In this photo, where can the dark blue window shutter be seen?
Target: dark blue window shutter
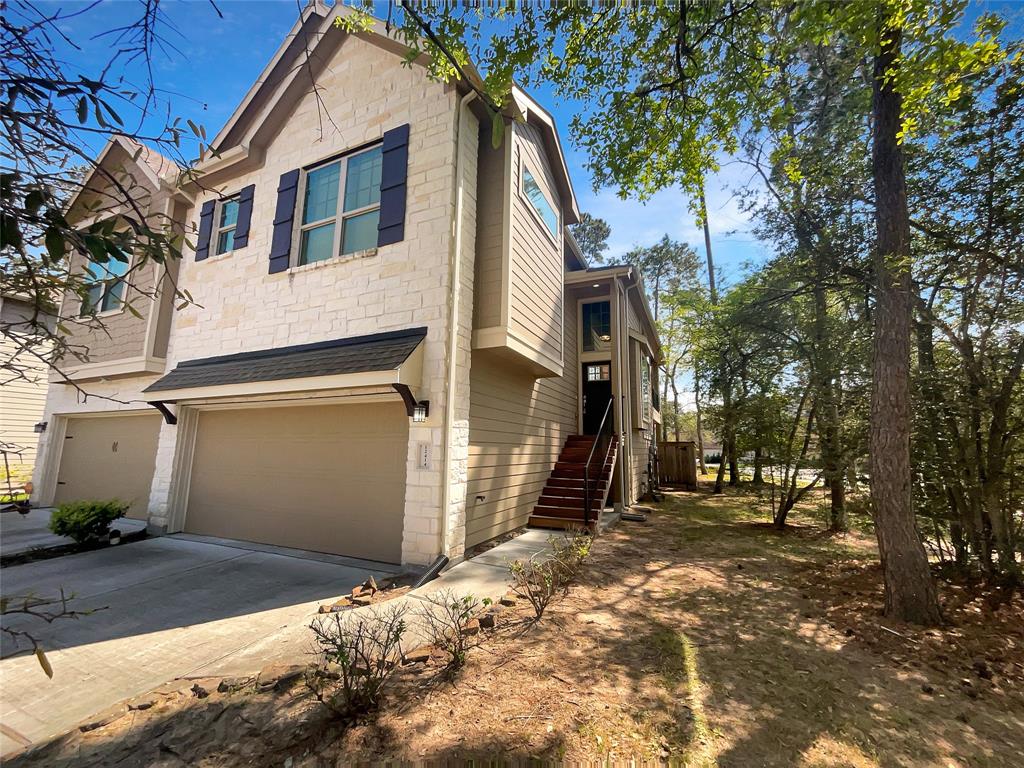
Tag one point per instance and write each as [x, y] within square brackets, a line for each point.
[205, 229]
[284, 216]
[244, 216]
[393, 173]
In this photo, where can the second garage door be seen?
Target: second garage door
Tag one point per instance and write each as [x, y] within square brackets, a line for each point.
[327, 478]
[109, 457]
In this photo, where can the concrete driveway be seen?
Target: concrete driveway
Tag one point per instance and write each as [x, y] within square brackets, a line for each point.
[170, 606]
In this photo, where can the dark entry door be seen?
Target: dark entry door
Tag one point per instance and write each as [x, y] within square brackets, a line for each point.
[597, 391]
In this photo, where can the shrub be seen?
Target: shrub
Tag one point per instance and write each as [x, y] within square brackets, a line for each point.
[86, 521]
[539, 580]
[446, 618]
[356, 657]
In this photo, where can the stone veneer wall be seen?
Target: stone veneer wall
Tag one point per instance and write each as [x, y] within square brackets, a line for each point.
[240, 307]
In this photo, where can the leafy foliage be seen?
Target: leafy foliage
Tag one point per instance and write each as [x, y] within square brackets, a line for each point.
[86, 521]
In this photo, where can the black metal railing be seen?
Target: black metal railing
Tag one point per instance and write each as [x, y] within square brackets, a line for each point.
[602, 443]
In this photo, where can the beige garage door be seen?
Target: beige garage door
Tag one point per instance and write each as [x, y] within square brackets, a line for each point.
[109, 457]
[327, 478]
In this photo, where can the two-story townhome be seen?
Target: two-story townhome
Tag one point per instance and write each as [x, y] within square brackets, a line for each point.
[394, 349]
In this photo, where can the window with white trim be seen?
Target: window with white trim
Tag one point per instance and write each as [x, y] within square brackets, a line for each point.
[645, 390]
[227, 220]
[341, 207]
[545, 210]
[104, 287]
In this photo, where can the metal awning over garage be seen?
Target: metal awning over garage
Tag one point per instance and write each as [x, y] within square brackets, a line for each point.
[393, 359]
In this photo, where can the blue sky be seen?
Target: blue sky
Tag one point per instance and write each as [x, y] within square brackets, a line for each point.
[218, 59]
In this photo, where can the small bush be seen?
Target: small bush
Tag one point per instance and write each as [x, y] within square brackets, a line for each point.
[356, 657]
[539, 580]
[86, 521]
[447, 618]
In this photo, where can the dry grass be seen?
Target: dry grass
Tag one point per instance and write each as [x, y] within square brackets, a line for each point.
[701, 637]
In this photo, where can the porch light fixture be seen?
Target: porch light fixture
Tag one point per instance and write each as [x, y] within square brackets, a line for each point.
[39, 427]
[417, 410]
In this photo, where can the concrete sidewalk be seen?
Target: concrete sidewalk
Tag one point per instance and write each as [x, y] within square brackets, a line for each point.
[485, 576]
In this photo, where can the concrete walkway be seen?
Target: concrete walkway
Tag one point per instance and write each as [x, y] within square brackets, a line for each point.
[177, 607]
[485, 576]
[22, 533]
[164, 608]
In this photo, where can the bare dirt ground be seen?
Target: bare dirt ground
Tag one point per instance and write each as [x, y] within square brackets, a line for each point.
[701, 637]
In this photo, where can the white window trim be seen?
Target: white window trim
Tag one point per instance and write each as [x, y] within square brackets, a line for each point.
[219, 230]
[340, 215]
[556, 207]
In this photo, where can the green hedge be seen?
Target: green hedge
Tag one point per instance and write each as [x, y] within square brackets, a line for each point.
[86, 521]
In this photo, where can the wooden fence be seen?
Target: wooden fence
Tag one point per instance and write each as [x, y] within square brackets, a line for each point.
[677, 463]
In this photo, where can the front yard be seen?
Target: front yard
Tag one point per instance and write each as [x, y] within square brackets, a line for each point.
[703, 636]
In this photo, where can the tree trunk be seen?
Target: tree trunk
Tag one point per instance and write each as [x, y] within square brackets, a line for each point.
[734, 463]
[720, 477]
[909, 590]
[700, 424]
[758, 466]
[675, 400]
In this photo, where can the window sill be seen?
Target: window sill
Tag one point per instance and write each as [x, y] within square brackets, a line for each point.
[101, 315]
[218, 256]
[364, 254]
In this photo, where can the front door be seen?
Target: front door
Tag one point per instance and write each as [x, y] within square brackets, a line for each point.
[597, 391]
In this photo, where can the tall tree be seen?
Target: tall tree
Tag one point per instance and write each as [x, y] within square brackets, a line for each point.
[591, 234]
[697, 73]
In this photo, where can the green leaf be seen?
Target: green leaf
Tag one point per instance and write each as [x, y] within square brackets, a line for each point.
[34, 201]
[55, 243]
[44, 662]
[497, 129]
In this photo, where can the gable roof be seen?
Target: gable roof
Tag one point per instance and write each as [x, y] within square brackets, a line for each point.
[155, 170]
[276, 88]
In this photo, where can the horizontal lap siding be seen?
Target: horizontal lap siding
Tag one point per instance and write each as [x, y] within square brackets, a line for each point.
[536, 261]
[491, 188]
[517, 427]
[21, 408]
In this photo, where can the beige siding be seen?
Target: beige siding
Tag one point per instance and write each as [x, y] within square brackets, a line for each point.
[109, 337]
[517, 427]
[535, 306]
[492, 188]
[22, 401]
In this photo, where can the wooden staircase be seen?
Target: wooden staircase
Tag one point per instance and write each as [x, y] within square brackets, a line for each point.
[562, 500]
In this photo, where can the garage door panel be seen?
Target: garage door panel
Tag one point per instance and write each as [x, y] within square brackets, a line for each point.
[109, 457]
[323, 478]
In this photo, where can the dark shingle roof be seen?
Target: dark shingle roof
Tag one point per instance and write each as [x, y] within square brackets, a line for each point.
[357, 354]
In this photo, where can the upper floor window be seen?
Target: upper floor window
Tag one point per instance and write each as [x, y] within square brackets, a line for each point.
[341, 207]
[597, 326]
[540, 203]
[645, 390]
[227, 220]
[104, 287]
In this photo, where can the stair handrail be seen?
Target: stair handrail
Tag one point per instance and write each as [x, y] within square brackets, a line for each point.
[602, 435]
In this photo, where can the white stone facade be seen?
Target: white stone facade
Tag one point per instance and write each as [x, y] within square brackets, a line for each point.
[238, 306]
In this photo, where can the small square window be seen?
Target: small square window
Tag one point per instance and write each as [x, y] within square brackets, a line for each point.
[599, 372]
[104, 286]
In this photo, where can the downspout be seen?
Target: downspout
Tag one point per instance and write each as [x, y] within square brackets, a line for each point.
[451, 354]
[622, 332]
